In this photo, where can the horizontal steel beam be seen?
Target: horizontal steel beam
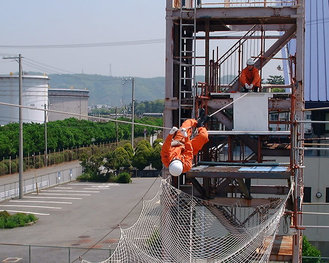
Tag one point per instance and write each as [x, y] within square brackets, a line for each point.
[242, 15]
[265, 189]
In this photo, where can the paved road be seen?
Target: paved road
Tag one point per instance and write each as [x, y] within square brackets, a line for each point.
[76, 215]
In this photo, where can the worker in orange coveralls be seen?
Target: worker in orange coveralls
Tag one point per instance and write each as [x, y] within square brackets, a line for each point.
[178, 150]
[249, 78]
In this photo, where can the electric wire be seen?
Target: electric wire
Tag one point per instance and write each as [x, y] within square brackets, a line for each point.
[90, 45]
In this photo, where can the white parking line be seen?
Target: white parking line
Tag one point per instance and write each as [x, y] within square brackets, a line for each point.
[25, 212]
[52, 197]
[99, 188]
[68, 191]
[32, 206]
[59, 187]
[39, 201]
[61, 194]
[95, 185]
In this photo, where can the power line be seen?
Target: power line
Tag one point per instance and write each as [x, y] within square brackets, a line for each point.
[47, 66]
[82, 115]
[89, 45]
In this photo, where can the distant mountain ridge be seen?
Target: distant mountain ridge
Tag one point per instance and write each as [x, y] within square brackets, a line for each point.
[111, 90]
[114, 91]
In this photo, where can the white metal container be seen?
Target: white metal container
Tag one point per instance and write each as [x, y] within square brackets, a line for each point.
[34, 94]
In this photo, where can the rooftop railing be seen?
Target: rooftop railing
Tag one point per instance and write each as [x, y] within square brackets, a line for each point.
[232, 3]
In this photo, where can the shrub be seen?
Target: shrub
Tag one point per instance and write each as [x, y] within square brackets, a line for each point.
[85, 177]
[14, 166]
[310, 251]
[16, 220]
[4, 214]
[123, 178]
[3, 168]
[39, 163]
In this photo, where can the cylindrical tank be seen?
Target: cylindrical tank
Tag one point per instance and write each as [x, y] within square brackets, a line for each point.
[34, 94]
[68, 100]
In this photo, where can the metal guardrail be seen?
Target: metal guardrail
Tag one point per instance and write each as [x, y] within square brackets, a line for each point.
[37, 253]
[10, 190]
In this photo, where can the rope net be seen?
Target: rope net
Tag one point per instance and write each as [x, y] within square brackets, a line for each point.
[177, 227]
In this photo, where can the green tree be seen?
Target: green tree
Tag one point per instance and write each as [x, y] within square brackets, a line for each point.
[310, 251]
[118, 159]
[143, 153]
[156, 157]
[129, 149]
[275, 79]
[91, 168]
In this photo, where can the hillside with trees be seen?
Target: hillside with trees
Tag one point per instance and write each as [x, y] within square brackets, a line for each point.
[111, 90]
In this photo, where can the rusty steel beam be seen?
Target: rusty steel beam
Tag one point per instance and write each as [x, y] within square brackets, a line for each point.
[243, 15]
[264, 189]
[229, 201]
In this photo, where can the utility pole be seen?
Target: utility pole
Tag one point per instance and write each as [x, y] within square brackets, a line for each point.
[20, 179]
[132, 107]
[46, 138]
[132, 111]
[20, 118]
[116, 126]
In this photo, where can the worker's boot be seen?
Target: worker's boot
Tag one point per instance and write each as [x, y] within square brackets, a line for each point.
[203, 118]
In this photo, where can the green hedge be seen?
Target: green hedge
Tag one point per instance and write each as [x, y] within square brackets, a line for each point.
[68, 133]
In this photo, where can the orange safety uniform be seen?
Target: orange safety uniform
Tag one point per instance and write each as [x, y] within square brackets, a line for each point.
[188, 149]
[250, 77]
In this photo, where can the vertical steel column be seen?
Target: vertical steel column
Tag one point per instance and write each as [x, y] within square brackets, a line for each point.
[169, 80]
[299, 115]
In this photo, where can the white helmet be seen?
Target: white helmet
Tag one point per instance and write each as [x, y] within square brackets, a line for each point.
[250, 62]
[176, 167]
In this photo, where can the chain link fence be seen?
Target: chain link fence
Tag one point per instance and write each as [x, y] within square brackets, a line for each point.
[35, 184]
[51, 254]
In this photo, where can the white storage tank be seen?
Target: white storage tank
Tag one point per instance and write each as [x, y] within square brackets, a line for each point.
[34, 94]
[68, 100]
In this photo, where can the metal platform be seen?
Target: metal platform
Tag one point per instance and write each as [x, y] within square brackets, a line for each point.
[274, 133]
[257, 172]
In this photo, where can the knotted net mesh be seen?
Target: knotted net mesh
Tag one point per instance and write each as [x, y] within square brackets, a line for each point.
[177, 227]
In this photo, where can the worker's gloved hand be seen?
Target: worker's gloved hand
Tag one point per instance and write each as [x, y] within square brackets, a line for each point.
[184, 132]
[173, 130]
[250, 86]
[246, 86]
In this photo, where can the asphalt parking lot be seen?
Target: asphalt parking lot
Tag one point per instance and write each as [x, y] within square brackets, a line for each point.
[73, 217]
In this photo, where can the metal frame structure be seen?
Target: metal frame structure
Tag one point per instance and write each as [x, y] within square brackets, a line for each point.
[222, 169]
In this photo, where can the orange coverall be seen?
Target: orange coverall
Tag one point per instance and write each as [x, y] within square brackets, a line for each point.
[184, 152]
[250, 77]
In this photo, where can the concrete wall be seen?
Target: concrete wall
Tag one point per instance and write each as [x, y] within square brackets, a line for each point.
[317, 177]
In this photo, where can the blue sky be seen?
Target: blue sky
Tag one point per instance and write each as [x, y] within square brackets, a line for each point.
[59, 22]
